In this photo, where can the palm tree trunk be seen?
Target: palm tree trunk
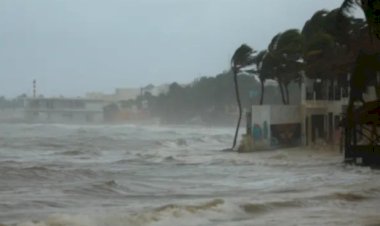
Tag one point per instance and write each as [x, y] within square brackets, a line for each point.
[239, 105]
[286, 86]
[282, 92]
[262, 92]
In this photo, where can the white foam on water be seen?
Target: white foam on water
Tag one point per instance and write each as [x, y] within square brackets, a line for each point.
[172, 214]
[152, 175]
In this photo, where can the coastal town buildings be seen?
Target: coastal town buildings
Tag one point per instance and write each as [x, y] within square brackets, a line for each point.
[64, 110]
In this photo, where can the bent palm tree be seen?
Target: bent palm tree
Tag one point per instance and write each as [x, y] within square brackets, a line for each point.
[286, 50]
[240, 59]
[258, 60]
[365, 69]
[371, 9]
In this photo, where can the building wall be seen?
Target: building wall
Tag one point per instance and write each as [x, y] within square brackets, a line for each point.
[260, 126]
[284, 114]
[276, 126]
[64, 117]
[316, 118]
[64, 110]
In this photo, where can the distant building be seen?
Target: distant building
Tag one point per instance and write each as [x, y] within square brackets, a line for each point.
[122, 94]
[118, 95]
[64, 110]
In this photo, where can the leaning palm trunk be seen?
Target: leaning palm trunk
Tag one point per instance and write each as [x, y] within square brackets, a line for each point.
[239, 106]
[282, 93]
[262, 93]
[239, 60]
[286, 87]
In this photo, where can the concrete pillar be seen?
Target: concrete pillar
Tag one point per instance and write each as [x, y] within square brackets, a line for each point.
[303, 126]
[303, 92]
[325, 127]
[309, 129]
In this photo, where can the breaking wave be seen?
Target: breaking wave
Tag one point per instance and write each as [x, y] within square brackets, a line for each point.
[141, 175]
[166, 213]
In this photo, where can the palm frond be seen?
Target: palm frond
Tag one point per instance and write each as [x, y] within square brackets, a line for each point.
[370, 9]
[241, 56]
[348, 5]
[273, 44]
[314, 24]
[259, 57]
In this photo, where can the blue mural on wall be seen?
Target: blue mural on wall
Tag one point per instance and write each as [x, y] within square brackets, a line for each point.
[260, 132]
[257, 132]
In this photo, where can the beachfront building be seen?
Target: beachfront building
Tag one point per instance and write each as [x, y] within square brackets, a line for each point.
[316, 118]
[323, 104]
[64, 110]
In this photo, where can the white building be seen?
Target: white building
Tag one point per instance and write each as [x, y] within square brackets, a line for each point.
[64, 110]
[316, 118]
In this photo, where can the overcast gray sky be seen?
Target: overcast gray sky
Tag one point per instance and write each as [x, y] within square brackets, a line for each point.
[75, 46]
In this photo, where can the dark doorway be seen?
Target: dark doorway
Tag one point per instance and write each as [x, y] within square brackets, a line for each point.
[337, 119]
[317, 127]
[318, 90]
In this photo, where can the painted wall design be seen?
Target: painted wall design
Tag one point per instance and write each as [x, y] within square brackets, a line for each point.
[260, 132]
[257, 132]
[286, 135]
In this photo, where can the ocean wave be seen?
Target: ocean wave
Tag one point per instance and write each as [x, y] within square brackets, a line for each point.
[109, 188]
[269, 206]
[343, 196]
[257, 208]
[43, 172]
[81, 151]
[159, 215]
[35, 143]
[190, 208]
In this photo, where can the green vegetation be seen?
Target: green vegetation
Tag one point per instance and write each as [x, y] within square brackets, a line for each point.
[329, 47]
[207, 99]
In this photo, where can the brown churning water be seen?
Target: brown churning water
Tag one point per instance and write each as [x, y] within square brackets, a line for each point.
[145, 175]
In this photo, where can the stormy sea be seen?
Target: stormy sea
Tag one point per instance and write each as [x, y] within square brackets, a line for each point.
[128, 175]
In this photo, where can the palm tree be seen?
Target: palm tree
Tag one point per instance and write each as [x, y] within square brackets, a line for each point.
[371, 9]
[286, 50]
[328, 48]
[365, 68]
[240, 59]
[367, 60]
[258, 60]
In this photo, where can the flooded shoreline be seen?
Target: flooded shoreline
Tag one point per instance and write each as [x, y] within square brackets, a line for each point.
[141, 175]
